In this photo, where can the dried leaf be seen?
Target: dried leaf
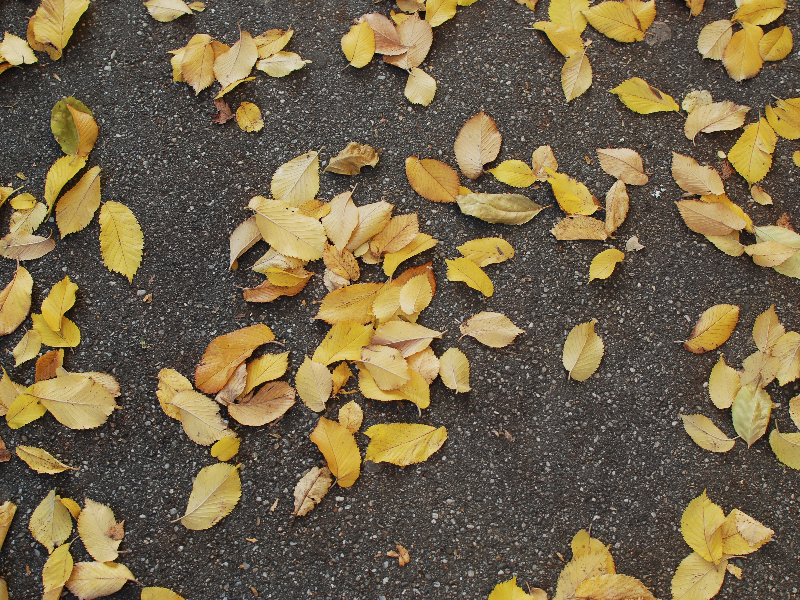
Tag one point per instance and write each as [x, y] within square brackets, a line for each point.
[121, 239]
[74, 400]
[491, 329]
[741, 57]
[478, 142]
[698, 578]
[713, 39]
[54, 22]
[76, 208]
[68, 335]
[487, 251]
[387, 40]
[341, 375]
[352, 303]
[281, 64]
[200, 417]
[248, 117]
[751, 155]
[580, 227]
[418, 245]
[167, 10]
[311, 489]
[87, 130]
[573, 197]
[616, 21]
[268, 404]
[718, 116]
[425, 364]
[617, 204]
[50, 523]
[420, 87]
[215, 493]
[60, 299]
[358, 45]
[786, 447]
[225, 353]
[565, 39]
[633, 244]
[342, 220]
[7, 511]
[372, 218]
[509, 209]
[386, 365]
[641, 97]
[339, 448]
[98, 530]
[224, 113]
[710, 219]
[576, 75]
[693, 178]
[463, 269]
[27, 348]
[237, 62]
[624, 164]
[713, 328]
[286, 229]
[352, 159]
[696, 98]
[416, 35]
[644, 11]
[297, 181]
[705, 434]
[351, 416]
[314, 384]
[454, 370]
[407, 338]
[15, 301]
[56, 571]
[403, 444]
[509, 590]
[759, 12]
[590, 559]
[273, 41]
[583, 351]
[568, 13]
[723, 384]
[750, 412]
[160, 593]
[90, 580]
[613, 587]
[603, 264]
[41, 460]
[776, 44]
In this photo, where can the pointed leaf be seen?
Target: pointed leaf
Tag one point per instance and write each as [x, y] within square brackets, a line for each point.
[215, 493]
[339, 448]
[583, 351]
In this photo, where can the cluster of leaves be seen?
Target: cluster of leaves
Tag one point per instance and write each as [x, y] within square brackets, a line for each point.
[625, 22]
[777, 358]
[49, 30]
[404, 41]
[205, 60]
[743, 53]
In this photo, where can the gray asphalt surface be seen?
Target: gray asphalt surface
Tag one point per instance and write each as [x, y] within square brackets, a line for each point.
[610, 452]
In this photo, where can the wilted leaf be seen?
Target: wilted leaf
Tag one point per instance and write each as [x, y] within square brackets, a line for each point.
[234, 387]
[478, 142]
[616, 21]
[403, 444]
[776, 44]
[15, 301]
[713, 328]
[425, 364]
[759, 12]
[41, 460]
[341, 375]
[54, 22]
[633, 244]
[64, 169]
[641, 97]
[339, 448]
[751, 155]
[542, 159]
[624, 164]
[705, 434]
[121, 239]
[697, 578]
[244, 237]
[568, 13]
[215, 493]
[358, 45]
[583, 351]
[415, 34]
[786, 447]
[50, 523]
[311, 489]
[281, 64]
[509, 209]
[565, 39]
[603, 264]
[237, 62]
[454, 370]
[56, 570]
[580, 227]
[87, 130]
[99, 531]
[352, 159]
[750, 412]
[420, 87]
[266, 405]
[741, 57]
[491, 329]
[463, 269]
[352, 303]
[90, 580]
[713, 39]
[225, 449]
[27, 348]
[576, 75]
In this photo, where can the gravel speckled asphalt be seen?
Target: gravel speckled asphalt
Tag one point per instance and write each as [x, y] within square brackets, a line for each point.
[610, 452]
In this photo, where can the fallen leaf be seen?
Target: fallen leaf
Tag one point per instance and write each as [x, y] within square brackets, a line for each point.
[776, 44]
[603, 264]
[645, 12]
[372, 218]
[713, 328]
[311, 489]
[272, 41]
[98, 530]
[160, 593]
[617, 204]
[487, 251]
[54, 22]
[583, 351]
[27, 348]
[50, 524]
[576, 75]
[76, 208]
[514, 173]
[592, 560]
[231, 86]
[478, 142]
[418, 245]
[615, 20]
[200, 417]
[454, 370]
[60, 299]
[565, 39]
[613, 587]
[760, 196]
[759, 12]
[225, 353]
[786, 447]
[509, 209]
[226, 448]
[407, 338]
[90, 580]
[641, 97]
[633, 244]
[7, 511]
[167, 10]
[718, 116]
[358, 45]
[339, 448]
[121, 239]
[705, 434]
[287, 230]
[463, 269]
[491, 329]
[579, 227]
[387, 40]
[266, 405]
[342, 220]
[352, 303]
[698, 578]
[248, 117]
[509, 590]
[624, 164]
[296, 181]
[16, 51]
[701, 528]
[741, 57]
[696, 98]
[68, 335]
[41, 460]
[573, 197]
[742, 534]
[416, 35]
[352, 159]
[440, 11]
[750, 412]
[64, 169]
[723, 384]
[568, 13]
[234, 387]
[710, 219]
[215, 493]
[87, 130]
[695, 179]
[224, 112]
[56, 571]
[403, 444]
[5, 455]
[74, 400]
[714, 38]
[281, 64]
[341, 375]
[24, 409]
[265, 368]
[425, 364]
[237, 62]
[197, 64]
[420, 87]
[314, 384]
[28, 220]
[387, 366]
[351, 416]
[416, 295]
[15, 301]
[751, 155]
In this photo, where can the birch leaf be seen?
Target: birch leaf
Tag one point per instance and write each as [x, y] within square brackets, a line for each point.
[167, 10]
[723, 384]
[573, 197]
[281, 64]
[41, 460]
[416, 295]
[642, 98]
[99, 531]
[613, 587]
[353, 158]
[215, 493]
[27, 220]
[418, 245]
[342, 221]
[60, 299]
[54, 23]
[372, 218]
[478, 142]
[565, 39]
[407, 338]
[311, 489]
[341, 375]
[237, 62]
[287, 230]
[121, 239]
[713, 39]
[76, 208]
[615, 20]
[705, 434]
[697, 578]
[351, 416]
[713, 328]
[416, 35]
[314, 384]
[64, 169]
[580, 227]
[583, 351]
[50, 523]
[266, 405]
[741, 57]
[15, 301]
[272, 41]
[576, 75]
[786, 447]
[693, 178]
[776, 44]
[265, 368]
[491, 329]
[440, 11]
[700, 526]
[358, 45]
[403, 444]
[644, 11]
[568, 13]
[225, 353]
[794, 410]
[27, 348]
[509, 209]
[342, 263]
[751, 155]
[397, 234]
[603, 264]
[197, 65]
[593, 560]
[710, 219]
[750, 412]
[432, 179]
[297, 181]
[463, 269]
[386, 365]
[624, 164]
[454, 370]
[90, 580]
[343, 342]
[339, 448]
[617, 204]
[57, 569]
[420, 87]
[718, 116]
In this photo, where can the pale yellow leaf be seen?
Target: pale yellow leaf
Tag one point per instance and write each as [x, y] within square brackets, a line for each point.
[351, 416]
[576, 75]
[624, 164]
[341, 375]
[57, 569]
[603, 264]
[440, 11]
[90, 580]
[215, 493]
[99, 531]
[121, 239]
[351, 160]
[491, 329]
[398, 233]
[16, 51]
[358, 45]
[617, 204]
[200, 417]
[712, 219]
[696, 98]
[794, 410]
[723, 384]
[160, 593]
[386, 365]
[7, 511]
[24, 409]
[420, 87]
[41, 460]
[64, 169]
[695, 179]
[197, 64]
[416, 35]
[641, 97]
[372, 218]
[343, 342]
[593, 562]
[616, 21]
[478, 142]
[760, 196]
[759, 12]
[454, 370]
[713, 328]
[297, 181]
[613, 586]
[750, 412]
[387, 40]
[741, 57]
[74, 400]
[583, 351]
[248, 117]
[288, 230]
[28, 220]
[339, 448]
[314, 384]
[76, 208]
[416, 295]
[705, 434]
[729, 244]
[644, 11]
[50, 524]
[27, 348]
[514, 173]
[510, 209]
[751, 155]
[580, 227]
[237, 62]
[281, 64]
[352, 303]
[463, 269]
[403, 444]
[272, 41]
[698, 579]
[311, 489]
[425, 364]
[407, 338]
[713, 39]
[170, 382]
[54, 23]
[266, 405]
[565, 39]
[342, 220]
[167, 10]
[25, 246]
[786, 447]
[15, 301]
[487, 251]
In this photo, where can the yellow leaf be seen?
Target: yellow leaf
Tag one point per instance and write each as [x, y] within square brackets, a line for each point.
[700, 526]
[358, 45]
[311, 489]
[372, 218]
[248, 117]
[341, 375]
[215, 493]
[28, 347]
[50, 523]
[425, 364]
[264, 406]
[352, 303]
[273, 41]
[288, 230]
[87, 130]
[565, 39]
[616, 21]
[403, 444]
[420, 87]
[314, 384]
[760, 196]
[440, 11]
[718, 116]
[339, 448]
[573, 197]
[197, 64]
[397, 234]
[54, 23]
[510, 209]
[713, 328]
[74, 400]
[644, 11]
[237, 62]
[741, 57]
[759, 12]
[769, 254]
[693, 178]
[583, 351]
[729, 244]
[593, 561]
[351, 416]
[60, 299]
[698, 579]
[432, 179]
[527, 3]
[509, 590]
[418, 245]
[579, 227]
[57, 569]
[281, 64]
[713, 39]
[776, 44]
[416, 35]
[750, 412]
[23, 202]
[41, 460]
[342, 220]
[28, 220]
[59, 174]
[786, 447]
[705, 434]
[16, 51]
[170, 382]
[641, 97]
[76, 208]
[576, 76]
[416, 295]
[160, 593]
[121, 239]
[343, 263]
[568, 13]
[350, 160]
[90, 580]
[175, 63]
[696, 98]
[742, 534]
[624, 164]
[24, 409]
[487, 251]
[15, 301]
[463, 269]
[200, 417]
[265, 368]
[617, 204]
[454, 370]
[297, 181]
[723, 384]
[226, 448]
[613, 586]
[167, 10]
[491, 329]
[794, 410]
[407, 338]
[386, 365]
[7, 511]
[514, 173]
[99, 531]
[21, 245]
[232, 85]
[603, 264]
[478, 142]
[796, 157]
[343, 342]
[751, 155]
[712, 219]
[225, 353]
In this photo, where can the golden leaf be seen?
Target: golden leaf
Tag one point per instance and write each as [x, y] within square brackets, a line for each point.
[7, 511]
[197, 64]
[565, 39]
[760, 196]
[273, 41]
[509, 209]
[387, 40]
[420, 87]
[717, 116]
[358, 45]
[281, 64]
[580, 227]
[341, 375]
[226, 448]
[794, 410]
[41, 460]
[372, 218]
[50, 523]
[713, 39]
[463, 269]
[248, 117]
[786, 353]
[750, 412]
[215, 493]
[339, 448]
[487, 251]
[28, 220]
[343, 263]
[576, 75]
[416, 295]
[641, 97]
[407, 338]
[225, 353]
[28, 347]
[16, 51]
[742, 534]
[723, 384]
[440, 11]
[170, 382]
[353, 302]
[617, 204]
[573, 197]
[24, 409]
[60, 299]
[265, 368]
[15, 301]
[418, 245]
[568, 13]
[160, 593]
[68, 335]
[59, 174]
[311, 489]
[99, 531]
[237, 62]
[729, 244]
[613, 586]
[351, 160]
[603, 264]
[786, 447]
[713, 328]
[74, 400]
[343, 342]
[403, 444]
[478, 142]
[751, 155]
[454, 370]
[121, 239]
[342, 220]
[741, 57]
[167, 10]
[593, 560]
[268, 404]
[200, 417]
[351, 416]
[24, 246]
[776, 44]
[76, 208]
[644, 11]
[693, 178]
[416, 35]
[514, 173]
[583, 351]
[386, 365]
[228, 88]
[87, 130]
[759, 12]
[710, 219]
[616, 21]
[314, 384]
[698, 579]
[701, 528]
[398, 233]
[509, 590]
[491, 329]
[624, 164]
[425, 364]
[54, 23]
[57, 569]
[296, 181]
[769, 254]
[286, 229]
[705, 434]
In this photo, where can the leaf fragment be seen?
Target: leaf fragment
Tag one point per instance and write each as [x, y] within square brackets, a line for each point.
[21, 245]
[786, 447]
[580, 227]
[583, 351]
[167, 10]
[226, 448]
[27, 348]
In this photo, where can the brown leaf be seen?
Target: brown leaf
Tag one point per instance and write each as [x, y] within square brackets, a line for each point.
[785, 222]
[47, 365]
[267, 292]
[387, 40]
[268, 404]
[5, 455]
[224, 112]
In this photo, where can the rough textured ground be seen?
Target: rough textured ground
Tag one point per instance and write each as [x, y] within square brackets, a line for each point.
[610, 452]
